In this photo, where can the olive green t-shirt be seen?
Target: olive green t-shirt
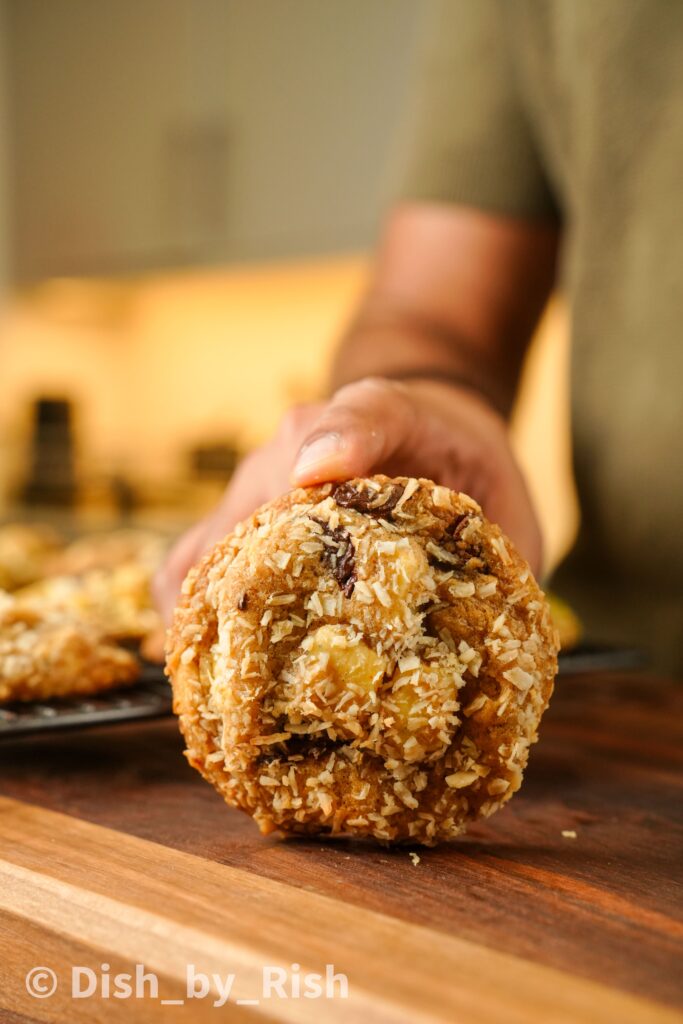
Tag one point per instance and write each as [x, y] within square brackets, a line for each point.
[573, 109]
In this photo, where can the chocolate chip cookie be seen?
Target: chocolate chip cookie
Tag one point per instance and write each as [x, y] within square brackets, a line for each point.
[369, 658]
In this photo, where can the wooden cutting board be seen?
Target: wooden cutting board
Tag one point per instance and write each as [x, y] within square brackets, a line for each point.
[113, 852]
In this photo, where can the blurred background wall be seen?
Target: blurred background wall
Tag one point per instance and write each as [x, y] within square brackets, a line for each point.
[162, 132]
[4, 135]
[193, 190]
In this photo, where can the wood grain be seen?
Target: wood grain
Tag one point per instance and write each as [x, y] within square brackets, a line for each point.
[136, 901]
[604, 907]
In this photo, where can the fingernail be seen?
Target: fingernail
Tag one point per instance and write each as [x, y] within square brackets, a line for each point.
[317, 453]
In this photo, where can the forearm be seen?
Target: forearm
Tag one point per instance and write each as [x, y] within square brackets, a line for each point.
[402, 346]
[455, 295]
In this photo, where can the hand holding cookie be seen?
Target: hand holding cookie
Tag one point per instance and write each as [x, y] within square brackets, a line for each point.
[422, 428]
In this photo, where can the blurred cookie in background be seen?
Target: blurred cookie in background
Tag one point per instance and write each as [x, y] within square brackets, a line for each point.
[52, 653]
[110, 550]
[117, 601]
[26, 550]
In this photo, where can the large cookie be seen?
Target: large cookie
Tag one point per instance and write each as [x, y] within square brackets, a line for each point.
[370, 658]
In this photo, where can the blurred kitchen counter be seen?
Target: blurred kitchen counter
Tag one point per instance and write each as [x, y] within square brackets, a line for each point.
[158, 365]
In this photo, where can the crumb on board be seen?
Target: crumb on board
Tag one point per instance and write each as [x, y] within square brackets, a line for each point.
[415, 857]
[568, 833]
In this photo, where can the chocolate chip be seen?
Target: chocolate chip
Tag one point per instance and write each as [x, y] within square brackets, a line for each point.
[339, 556]
[366, 501]
[243, 602]
[322, 745]
[458, 525]
[470, 555]
[440, 563]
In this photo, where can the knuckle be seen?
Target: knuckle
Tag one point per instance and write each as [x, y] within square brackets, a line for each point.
[346, 419]
[381, 384]
[374, 390]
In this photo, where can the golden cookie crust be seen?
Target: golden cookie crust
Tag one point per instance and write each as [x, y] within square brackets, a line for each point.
[109, 550]
[55, 655]
[26, 550]
[117, 601]
[370, 658]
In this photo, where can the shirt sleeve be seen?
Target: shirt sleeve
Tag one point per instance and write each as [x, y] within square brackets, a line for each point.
[468, 136]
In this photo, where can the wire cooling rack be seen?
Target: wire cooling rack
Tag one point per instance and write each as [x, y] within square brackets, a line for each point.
[149, 698]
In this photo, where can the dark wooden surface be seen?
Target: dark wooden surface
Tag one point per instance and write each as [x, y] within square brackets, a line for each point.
[607, 905]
